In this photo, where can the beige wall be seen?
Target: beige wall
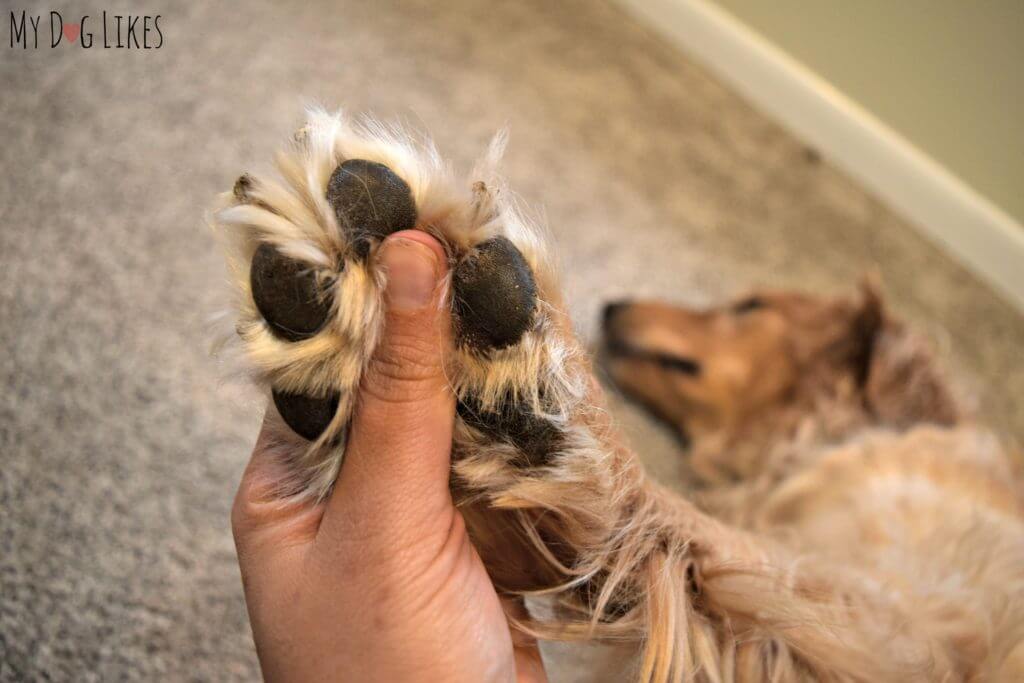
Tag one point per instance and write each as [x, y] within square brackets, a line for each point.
[946, 74]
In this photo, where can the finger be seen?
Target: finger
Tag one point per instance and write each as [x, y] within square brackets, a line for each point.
[266, 524]
[395, 473]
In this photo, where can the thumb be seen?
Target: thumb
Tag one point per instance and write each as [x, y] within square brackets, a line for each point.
[395, 474]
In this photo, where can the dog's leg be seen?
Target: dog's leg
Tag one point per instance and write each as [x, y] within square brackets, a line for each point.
[556, 505]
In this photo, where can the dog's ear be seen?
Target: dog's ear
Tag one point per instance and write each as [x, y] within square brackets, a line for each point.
[867, 324]
[896, 370]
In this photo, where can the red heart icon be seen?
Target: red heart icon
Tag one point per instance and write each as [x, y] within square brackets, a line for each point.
[71, 31]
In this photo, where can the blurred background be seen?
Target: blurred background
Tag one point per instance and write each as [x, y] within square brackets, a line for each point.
[121, 442]
[941, 73]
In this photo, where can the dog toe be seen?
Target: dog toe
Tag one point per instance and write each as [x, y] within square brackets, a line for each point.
[287, 294]
[514, 423]
[370, 201]
[495, 296]
[308, 416]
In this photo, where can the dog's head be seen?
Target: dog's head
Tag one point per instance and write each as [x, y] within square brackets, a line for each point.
[715, 369]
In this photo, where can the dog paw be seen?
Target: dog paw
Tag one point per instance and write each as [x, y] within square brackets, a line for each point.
[302, 246]
[537, 470]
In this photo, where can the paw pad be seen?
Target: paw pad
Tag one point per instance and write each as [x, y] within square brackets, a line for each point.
[370, 202]
[287, 294]
[514, 423]
[308, 416]
[495, 296]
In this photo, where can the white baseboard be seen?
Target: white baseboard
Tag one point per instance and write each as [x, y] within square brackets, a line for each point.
[966, 224]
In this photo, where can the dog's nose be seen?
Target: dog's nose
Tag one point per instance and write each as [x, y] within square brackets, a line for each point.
[611, 310]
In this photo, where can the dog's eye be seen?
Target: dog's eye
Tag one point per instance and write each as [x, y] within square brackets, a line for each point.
[687, 366]
[748, 305]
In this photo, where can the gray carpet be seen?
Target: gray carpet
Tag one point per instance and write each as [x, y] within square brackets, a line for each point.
[120, 445]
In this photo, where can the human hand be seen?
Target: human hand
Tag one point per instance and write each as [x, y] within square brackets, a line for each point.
[380, 582]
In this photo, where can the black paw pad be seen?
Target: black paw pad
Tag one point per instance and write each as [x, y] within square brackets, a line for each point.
[370, 201]
[514, 423]
[307, 416]
[287, 294]
[495, 296]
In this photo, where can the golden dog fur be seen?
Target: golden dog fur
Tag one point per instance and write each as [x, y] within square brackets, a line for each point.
[824, 426]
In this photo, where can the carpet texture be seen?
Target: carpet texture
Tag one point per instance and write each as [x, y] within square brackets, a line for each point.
[120, 445]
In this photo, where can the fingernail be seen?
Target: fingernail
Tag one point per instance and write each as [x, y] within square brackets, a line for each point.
[412, 273]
